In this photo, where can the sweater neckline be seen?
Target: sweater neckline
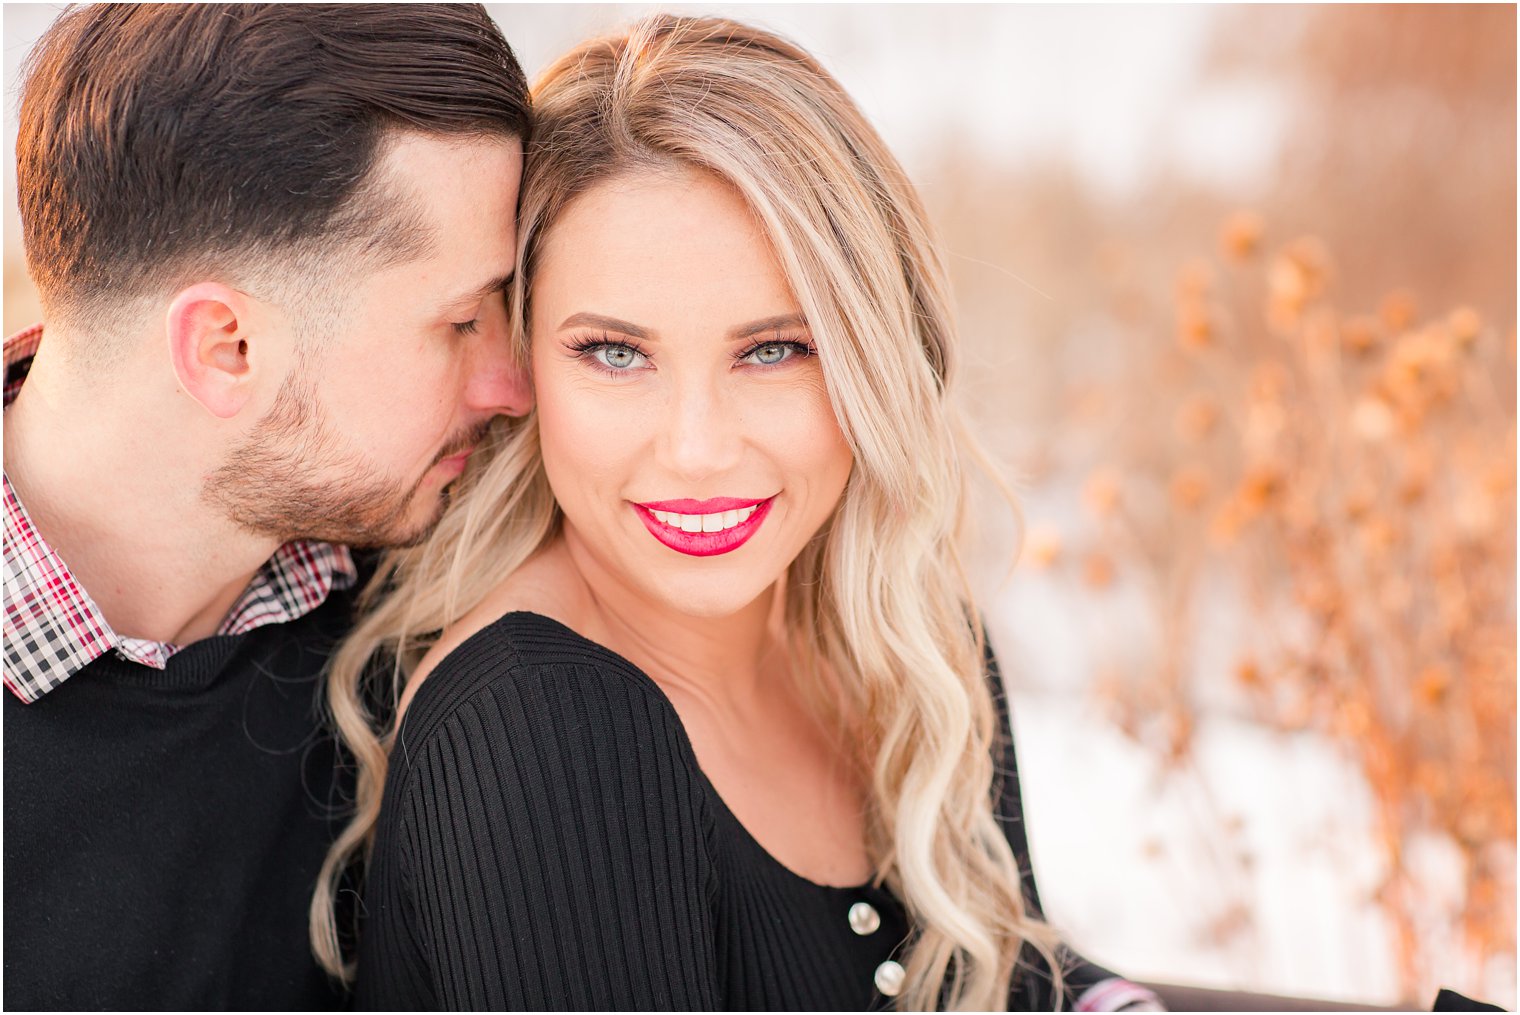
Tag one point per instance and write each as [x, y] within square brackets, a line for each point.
[870, 886]
[194, 667]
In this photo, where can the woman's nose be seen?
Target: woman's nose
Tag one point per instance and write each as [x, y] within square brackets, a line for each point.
[702, 431]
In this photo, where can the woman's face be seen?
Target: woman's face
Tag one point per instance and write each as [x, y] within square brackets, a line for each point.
[685, 427]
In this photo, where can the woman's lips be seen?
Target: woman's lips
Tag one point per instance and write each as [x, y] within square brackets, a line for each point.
[702, 507]
[722, 524]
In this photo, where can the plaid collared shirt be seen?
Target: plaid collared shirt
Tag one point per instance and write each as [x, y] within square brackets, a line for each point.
[53, 629]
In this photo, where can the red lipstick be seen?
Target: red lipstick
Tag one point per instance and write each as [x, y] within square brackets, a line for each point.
[702, 507]
[704, 544]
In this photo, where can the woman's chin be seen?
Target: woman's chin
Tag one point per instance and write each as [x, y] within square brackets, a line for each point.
[707, 600]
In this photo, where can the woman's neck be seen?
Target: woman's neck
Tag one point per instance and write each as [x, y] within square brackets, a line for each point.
[724, 662]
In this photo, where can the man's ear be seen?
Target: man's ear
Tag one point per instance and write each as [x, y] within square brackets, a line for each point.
[208, 326]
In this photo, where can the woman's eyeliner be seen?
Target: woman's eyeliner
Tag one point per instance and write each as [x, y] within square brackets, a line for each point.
[598, 349]
[796, 348]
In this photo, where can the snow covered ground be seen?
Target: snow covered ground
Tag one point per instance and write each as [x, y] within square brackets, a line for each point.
[1252, 871]
[1141, 881]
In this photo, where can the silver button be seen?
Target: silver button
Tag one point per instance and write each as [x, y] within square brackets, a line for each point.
[864, 919]
[889, 978]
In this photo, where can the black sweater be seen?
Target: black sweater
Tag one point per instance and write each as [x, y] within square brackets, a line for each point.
[548, 841]
[163, 829]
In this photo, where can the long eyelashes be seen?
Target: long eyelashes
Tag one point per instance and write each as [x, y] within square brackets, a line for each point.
[581, 346]
[796, 346]
[598, 351]
[619, 356]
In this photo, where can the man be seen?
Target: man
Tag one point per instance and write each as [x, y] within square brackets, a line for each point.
[270, 243]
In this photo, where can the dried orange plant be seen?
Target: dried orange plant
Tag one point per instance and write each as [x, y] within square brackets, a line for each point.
[1351, 475]
[1303, 482]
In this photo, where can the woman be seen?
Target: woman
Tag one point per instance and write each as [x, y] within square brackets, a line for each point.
[708, 724]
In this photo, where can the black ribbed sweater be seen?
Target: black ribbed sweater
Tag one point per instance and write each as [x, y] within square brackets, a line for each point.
[163, 828]
[548, 841]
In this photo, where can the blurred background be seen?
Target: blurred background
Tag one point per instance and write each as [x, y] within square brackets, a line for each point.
[1237, 286]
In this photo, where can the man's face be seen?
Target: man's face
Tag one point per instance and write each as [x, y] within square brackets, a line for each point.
[381, 413]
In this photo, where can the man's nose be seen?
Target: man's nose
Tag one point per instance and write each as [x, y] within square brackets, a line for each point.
[497, 385]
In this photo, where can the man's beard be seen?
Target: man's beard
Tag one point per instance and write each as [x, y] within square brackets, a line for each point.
[290, 479]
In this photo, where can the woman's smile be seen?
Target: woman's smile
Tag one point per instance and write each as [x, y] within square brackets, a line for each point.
[704, 528]
[672, 361]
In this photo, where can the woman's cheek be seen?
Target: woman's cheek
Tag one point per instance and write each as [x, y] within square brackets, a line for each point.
[800, 422]
[591, 437]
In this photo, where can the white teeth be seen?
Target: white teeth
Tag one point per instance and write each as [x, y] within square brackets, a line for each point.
[715, 522]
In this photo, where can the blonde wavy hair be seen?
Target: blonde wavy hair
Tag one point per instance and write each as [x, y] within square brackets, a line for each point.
[882, 625]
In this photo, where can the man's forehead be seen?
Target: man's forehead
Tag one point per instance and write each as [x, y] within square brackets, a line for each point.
[451, 204]
[449, 182]
[428, 162]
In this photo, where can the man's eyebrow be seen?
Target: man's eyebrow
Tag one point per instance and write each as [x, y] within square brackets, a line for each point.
[481, 292]
[780, 322]
[588, 320]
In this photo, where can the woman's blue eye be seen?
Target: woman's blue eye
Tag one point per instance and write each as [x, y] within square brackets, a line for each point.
[617, 357]
[769, 354]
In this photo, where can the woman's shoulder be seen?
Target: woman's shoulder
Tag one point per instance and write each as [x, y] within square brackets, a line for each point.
[526, 705]
[537, 784]
[536, 586]
[527, 660]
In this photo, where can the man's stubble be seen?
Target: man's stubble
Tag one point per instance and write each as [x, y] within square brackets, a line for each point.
[293, 477]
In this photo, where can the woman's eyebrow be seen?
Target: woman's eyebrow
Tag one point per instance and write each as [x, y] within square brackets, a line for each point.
[588, 320]
[780, 322]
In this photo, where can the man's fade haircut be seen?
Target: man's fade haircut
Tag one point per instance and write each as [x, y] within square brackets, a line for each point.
[158, 142]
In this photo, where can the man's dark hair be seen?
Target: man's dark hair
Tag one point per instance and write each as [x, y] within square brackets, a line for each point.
[160, 140]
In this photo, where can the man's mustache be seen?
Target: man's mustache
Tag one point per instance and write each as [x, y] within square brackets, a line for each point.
[471, 438]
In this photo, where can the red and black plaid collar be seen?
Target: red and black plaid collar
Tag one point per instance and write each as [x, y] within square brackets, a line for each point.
[53, 629]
